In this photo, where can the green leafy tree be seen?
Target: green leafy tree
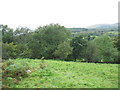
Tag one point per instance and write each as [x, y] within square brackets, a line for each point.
[7, 34]
[21, 38]
[92, 52]
[37, 46]
[116, 42]
[63, 50]
[106, 48]
[79, 45]
[23, 51]
[9, 50]
[22, 35]
[46, 40]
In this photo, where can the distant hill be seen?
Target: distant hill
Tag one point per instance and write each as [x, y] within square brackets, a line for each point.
[104, 26]
[77, 29]
[97, 27]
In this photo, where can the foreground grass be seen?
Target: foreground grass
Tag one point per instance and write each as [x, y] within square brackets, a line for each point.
[61, 74]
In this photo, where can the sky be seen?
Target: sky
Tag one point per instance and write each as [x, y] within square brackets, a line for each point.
[68, 13]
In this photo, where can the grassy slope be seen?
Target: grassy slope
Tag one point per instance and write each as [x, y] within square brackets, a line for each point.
[61, 74]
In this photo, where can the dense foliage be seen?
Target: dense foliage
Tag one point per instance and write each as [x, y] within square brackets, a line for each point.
[57, 42]
[79, 45]
[13, 71]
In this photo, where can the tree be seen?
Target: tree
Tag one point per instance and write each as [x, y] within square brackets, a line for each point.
[79, 45]
[63, 50]
[92, 52]
[21, 38]
[37, 46]
[7, 34]
[22, 35]
[106, 48]
[23, 51]
[46, 40]
[9, 51]
[116, 42]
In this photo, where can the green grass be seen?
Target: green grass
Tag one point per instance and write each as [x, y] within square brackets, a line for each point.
[61, 74]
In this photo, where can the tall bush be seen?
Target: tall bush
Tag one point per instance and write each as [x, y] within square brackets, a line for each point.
[9, 50]
[106, 48]
[63, 50]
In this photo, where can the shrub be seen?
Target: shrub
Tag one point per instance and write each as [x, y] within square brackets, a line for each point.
[92, 52]
[78, 44]
[23, 51]
[107, 51]
[63, 50]
[9, 50]
[15, 70]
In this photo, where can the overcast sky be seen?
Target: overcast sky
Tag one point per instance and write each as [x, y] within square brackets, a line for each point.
[69, 13]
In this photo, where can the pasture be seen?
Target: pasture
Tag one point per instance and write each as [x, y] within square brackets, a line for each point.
[62, 74]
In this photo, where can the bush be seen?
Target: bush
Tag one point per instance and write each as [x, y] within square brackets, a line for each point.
[63, 50]
[23, 51]
[79, 45]
[107, 51]
[15, 70]
[92, 52]
[9, 50]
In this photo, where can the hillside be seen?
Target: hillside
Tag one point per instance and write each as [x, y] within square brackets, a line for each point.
[104, 26]
[61, 74]
[97, 27]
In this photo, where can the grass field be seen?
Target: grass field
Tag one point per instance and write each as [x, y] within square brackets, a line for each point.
[61, 74]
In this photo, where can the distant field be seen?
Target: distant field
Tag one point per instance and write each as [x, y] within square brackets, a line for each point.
[61, 74]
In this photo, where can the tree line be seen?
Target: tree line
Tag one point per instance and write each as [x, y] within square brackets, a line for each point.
[56, 42]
